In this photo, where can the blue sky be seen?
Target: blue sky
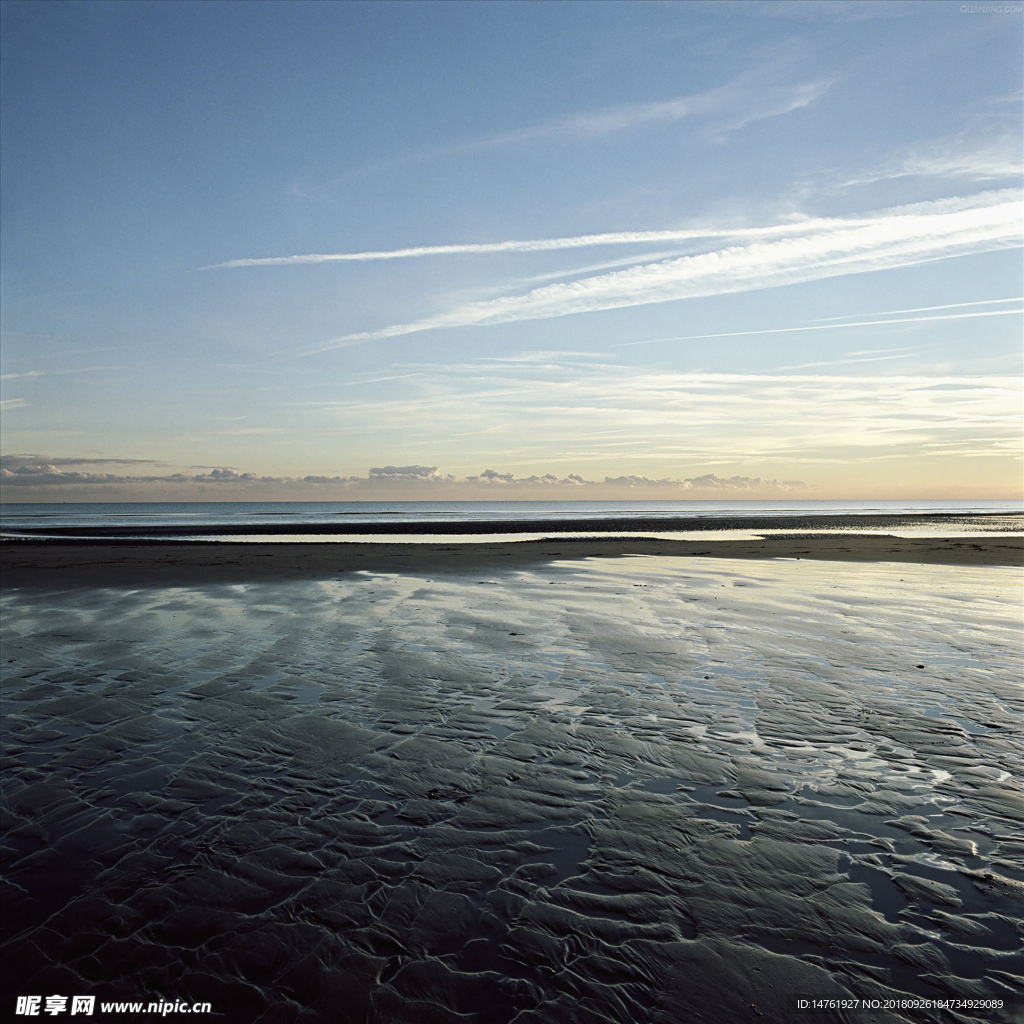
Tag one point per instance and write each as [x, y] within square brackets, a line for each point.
[325, 250]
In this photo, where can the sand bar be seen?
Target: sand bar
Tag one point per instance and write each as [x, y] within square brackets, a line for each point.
[112, 563]
[661, 523]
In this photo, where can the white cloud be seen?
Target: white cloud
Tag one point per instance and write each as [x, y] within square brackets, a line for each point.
[56, 373]
[14, 376]
[21, 461]
[39, 470]
[251, 431]
[623, 418]
[756, 95]
[530, 245]
[828, 327]
[404, 474]
[748, 99]
[987, 158]
[704, 483]
[898, 237]
[922, 309]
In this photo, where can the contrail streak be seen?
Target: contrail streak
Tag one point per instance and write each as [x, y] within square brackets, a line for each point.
[921, 309]
[827, 327]
[540, 244]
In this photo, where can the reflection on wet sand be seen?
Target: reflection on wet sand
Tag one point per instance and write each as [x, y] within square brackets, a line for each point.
[631, 789]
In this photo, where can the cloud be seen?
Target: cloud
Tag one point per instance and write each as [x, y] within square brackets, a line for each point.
[16, 461]
[652, 421]
[57, 373]
[772, 103]
[35, 473]
[756, 95]
[923, 309]
[549, 424]
[834, 10]
[711, 482]
[45, 475]
[706, 482]
[379, 380]
[989, 158]
[404, 474]
[898, 237]
[13, 403]
[829, 327]
[14, 376]
[47, 471]
[336, 480]
[252, 431]
[221, 476]
[747, 99]
[531, 245]
[492, 478]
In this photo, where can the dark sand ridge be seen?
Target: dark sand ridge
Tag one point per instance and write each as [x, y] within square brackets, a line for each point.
[27, 563]
[611, 524]
[594, 791]
[986, 521]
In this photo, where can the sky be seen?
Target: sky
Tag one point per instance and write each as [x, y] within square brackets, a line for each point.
[336, 251]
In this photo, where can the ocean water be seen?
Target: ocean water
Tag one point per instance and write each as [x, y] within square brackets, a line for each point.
[211, 518]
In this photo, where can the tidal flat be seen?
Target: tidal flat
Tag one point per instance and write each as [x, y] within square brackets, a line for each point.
[633, 789]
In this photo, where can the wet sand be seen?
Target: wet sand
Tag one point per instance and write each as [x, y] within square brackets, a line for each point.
[37, 563]
[514, 782]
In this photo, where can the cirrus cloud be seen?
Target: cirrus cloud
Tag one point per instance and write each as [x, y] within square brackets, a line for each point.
[899, 237]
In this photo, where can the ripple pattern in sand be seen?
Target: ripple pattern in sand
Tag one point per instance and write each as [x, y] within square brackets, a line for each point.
[638, 790]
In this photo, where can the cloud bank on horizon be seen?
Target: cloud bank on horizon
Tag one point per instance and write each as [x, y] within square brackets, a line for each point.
[40, 472]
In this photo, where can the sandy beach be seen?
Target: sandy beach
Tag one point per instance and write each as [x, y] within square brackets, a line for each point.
[517, 782]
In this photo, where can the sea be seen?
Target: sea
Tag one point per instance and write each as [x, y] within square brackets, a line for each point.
[303, 520]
